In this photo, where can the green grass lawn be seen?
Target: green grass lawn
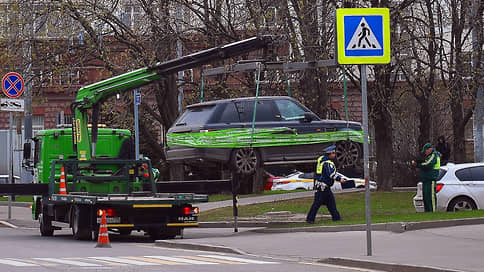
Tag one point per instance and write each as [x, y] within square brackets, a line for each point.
[221, 197]
[385, 207]
[18, 199]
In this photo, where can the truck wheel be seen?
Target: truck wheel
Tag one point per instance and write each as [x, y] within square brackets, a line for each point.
[245, 160]
[46, 228]
[80, 223]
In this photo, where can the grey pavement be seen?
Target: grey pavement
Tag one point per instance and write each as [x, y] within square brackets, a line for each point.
[446, 245]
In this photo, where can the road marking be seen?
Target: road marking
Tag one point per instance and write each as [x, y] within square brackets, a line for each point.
[157, 261]
[182, 260]
[16, 263]
[62, 261]
[105, 262]
[172, 249]
[205, 259]
[236, 259]
[120, 260]
[341, 267]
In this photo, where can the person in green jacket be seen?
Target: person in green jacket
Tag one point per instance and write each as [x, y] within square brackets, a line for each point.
[429, 172]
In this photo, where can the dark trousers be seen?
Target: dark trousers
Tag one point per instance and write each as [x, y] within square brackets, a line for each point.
[429, 196]
[325, 197]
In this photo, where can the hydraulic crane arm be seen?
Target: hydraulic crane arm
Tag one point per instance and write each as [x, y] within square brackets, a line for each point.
[91, 96]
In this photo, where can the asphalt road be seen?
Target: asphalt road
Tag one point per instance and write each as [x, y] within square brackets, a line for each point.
[23, 249]
[449, 245]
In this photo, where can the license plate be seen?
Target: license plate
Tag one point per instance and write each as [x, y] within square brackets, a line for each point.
[110, 220]
[187, 218]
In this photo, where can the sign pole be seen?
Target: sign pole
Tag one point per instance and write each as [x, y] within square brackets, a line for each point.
[366, 164]
[10, 163]
[137, 101]
[363, 37]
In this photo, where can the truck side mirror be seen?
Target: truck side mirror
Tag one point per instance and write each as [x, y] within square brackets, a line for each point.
[27, 151]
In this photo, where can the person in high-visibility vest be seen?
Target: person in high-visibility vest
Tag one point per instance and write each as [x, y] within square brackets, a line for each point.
[429, 172]
[323, 180]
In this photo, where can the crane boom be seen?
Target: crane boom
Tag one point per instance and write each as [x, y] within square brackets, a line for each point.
[92, 96]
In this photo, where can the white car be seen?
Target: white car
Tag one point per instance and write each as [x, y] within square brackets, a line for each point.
[459, 187]
[300, 180]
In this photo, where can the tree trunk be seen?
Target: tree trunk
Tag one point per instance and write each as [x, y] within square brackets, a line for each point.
[384, 149]
[425, 122]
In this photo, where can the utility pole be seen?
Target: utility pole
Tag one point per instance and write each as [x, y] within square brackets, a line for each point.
[179, 53]
[477, 75]
[27, 52]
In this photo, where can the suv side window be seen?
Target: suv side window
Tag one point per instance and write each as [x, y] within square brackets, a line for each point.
[477, 173]
[264, 112]
[289, 110]
[464, 174]
[229, 114]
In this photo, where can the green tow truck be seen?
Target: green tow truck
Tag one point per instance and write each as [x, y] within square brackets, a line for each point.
[100, 175]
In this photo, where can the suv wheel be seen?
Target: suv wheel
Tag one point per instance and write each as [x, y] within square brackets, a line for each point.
[461, 204]
[245, 160]
[348, 153]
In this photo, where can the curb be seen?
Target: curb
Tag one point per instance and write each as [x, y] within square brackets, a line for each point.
[397, 227]
[5, 223]
[393, 267]
[182, 245]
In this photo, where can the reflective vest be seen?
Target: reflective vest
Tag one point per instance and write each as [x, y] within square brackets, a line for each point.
[319, 167]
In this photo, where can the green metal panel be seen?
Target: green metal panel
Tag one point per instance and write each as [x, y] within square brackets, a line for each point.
[57, 142]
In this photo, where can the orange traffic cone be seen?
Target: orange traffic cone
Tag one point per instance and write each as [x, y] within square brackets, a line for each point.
[103, 237]
[62, 184]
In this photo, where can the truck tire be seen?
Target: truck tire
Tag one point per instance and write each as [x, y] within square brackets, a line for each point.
[46, 228]
[81, 229]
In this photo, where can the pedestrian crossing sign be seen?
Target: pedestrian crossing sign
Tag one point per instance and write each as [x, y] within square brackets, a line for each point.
[363, 35]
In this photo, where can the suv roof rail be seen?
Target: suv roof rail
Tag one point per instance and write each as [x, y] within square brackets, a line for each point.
[63, 126]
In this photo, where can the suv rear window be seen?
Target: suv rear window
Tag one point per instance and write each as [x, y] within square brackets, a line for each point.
[195, 116]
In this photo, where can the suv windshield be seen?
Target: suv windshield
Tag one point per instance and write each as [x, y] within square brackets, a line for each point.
[195, 116]
[289, 110]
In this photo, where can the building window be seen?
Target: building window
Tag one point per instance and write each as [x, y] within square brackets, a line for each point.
[132, 15]
[270, 18]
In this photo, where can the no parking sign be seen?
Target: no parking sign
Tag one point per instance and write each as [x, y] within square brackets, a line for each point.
[12, 85]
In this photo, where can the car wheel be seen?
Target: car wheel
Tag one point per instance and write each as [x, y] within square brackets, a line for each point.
[245, 160]
[461, 203]
[348, 153]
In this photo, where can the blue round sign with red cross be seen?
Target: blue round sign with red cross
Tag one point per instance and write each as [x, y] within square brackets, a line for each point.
[13, 85]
